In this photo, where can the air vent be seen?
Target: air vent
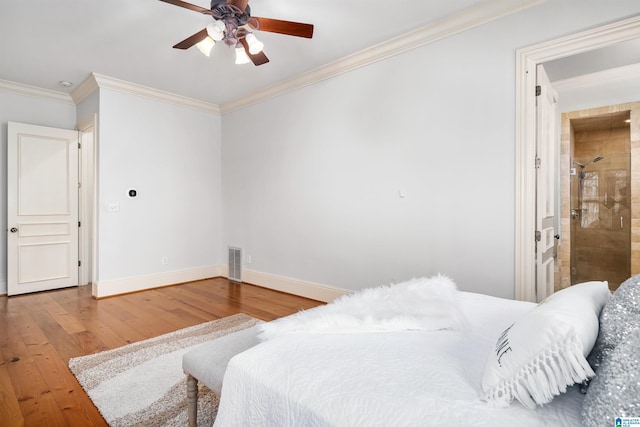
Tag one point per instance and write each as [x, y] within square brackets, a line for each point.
[235, 264]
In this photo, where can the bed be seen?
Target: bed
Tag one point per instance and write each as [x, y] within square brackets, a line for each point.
[361, 362]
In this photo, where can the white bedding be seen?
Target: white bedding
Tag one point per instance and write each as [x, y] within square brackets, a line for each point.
[406, 378]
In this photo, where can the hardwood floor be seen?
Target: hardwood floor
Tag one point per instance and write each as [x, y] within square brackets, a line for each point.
[40, 332]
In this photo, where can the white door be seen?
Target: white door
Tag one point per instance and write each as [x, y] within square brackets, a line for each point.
[42, 208]
[546, 101]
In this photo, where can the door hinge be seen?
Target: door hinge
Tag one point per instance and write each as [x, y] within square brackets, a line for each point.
[79, 263]
[79, 185]
[79, 145]
[538, 162]
[538, 90]
[79, 223]
[538, 236]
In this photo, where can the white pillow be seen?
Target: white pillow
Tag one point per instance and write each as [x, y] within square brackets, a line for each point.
[545, 351]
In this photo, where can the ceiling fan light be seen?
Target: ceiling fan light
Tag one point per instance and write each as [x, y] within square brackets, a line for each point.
[241, 56]
[216, 30]
[220, 25]
[205, 45]
[255, 45]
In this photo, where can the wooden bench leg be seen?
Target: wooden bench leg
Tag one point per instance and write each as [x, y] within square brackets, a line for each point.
[192, 401]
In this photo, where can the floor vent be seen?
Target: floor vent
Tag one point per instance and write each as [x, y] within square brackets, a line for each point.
[235, 264]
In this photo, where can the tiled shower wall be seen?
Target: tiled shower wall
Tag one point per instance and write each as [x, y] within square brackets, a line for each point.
[563, 265]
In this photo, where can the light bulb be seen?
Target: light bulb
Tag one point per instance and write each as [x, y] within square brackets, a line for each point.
[241, 56]
[216, 30]
[205, 45]
[255, 45]
[220, 25]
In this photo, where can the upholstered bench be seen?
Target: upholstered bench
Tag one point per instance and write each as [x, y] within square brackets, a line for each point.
[208, 362]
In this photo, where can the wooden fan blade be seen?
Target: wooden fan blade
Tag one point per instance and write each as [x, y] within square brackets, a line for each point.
[188, 6]
[190, 41]
[240, 4]
[257, 59]
[297, 29]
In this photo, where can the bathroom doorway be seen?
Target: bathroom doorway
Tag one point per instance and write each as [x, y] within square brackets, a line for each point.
[597, 181]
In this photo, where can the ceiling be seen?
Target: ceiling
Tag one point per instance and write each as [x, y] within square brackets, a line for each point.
[614, 56]
[602, 122]
[43, 42]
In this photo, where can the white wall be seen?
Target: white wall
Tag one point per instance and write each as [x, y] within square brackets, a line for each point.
[32, 110]
[171, 155]
[88, 108]
[312, 193]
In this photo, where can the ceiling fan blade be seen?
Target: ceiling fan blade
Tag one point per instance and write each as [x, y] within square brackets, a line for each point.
[191, 40]
[240, 4]
[188, 6]
[257, 59]
[297, 29]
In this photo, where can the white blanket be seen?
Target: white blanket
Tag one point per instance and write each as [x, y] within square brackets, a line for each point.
[424, 304]
[407, 378]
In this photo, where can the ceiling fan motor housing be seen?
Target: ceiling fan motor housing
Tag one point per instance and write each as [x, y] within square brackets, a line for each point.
[222, 10]
[233, 18]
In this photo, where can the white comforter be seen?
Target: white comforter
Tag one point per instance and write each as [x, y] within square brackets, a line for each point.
[407, 378]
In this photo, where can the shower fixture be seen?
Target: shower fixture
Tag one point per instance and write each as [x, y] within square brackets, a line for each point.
[577, 213]
[582, 166]
[597, 159]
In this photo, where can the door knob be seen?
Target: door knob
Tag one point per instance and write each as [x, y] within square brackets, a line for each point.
[13, 230]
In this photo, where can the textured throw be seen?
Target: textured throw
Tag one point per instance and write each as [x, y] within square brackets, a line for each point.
[421, 304]
[142, 384]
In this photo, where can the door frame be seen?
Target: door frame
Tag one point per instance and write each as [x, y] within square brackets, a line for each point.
[87, 245]
[527, 60]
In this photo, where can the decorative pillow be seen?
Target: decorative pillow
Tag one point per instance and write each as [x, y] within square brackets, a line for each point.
[615, 390]
[619, 317]
[545, 351]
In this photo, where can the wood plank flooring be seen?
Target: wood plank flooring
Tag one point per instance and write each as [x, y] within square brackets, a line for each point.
[40, 332]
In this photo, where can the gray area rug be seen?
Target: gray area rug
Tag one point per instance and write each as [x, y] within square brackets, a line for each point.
[142, 384]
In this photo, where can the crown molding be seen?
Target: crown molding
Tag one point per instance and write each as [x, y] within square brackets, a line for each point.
[96, 80]
[453, 24]
[84, 89]
[27, 90]
[612, 75]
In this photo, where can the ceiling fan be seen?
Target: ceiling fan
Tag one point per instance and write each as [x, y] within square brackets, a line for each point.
[233, 25]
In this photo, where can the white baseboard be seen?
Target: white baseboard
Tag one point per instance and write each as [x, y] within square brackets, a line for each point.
[301, 288]
[140, 283]
[127, 285]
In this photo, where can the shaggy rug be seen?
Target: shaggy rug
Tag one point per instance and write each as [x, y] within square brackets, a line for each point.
[142, 384]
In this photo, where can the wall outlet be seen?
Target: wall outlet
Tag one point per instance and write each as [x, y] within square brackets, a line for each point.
[165, 260]
[248, 259]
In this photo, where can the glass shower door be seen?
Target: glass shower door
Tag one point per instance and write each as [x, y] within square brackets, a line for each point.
[600, 220]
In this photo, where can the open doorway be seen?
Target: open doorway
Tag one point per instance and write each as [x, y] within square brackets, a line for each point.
[527, 61]
[599, 147]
